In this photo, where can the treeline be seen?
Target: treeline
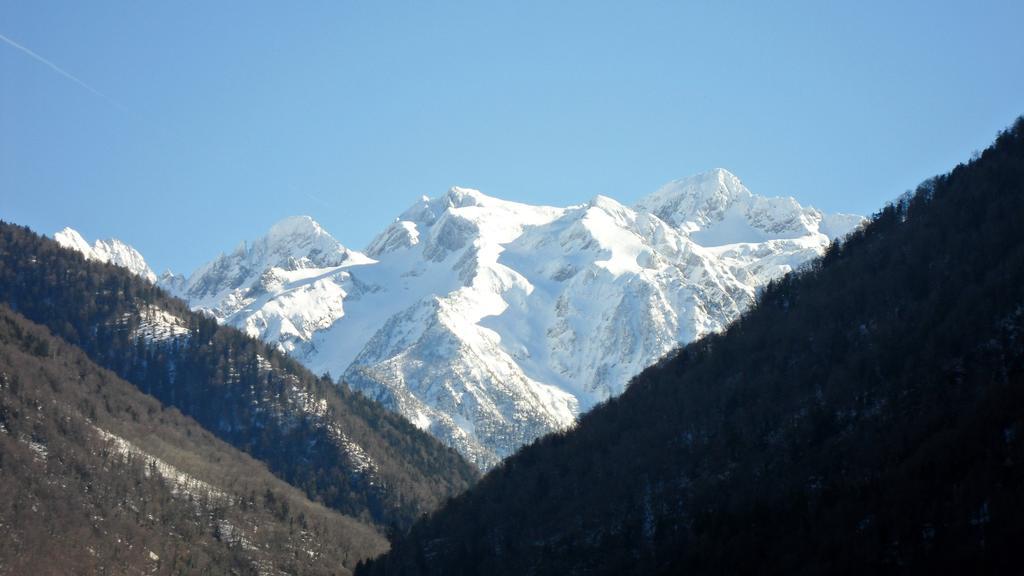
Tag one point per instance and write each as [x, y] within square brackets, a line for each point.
[866, 416]
[98, 478]
[338, 447]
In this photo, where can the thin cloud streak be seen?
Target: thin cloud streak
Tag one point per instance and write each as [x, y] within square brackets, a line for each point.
[63, 72]
[318, 200]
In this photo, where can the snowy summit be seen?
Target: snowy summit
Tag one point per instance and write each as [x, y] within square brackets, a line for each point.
[112, 251]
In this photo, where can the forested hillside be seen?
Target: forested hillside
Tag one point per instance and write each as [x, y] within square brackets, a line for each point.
[867, 416]
[97, 477]
[337, 446]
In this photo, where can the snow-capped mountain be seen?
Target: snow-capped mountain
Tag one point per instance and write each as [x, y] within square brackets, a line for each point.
[112, 250]
[283, 287]
[490, 323]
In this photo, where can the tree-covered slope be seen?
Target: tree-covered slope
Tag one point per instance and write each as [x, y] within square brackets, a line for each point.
[340, 448]
[867, 416]
[97, 477]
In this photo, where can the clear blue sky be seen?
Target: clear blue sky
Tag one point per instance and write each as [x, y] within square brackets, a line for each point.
[189, 126]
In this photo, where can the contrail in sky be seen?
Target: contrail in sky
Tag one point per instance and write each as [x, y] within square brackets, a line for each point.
[62, 72]
[318, 200]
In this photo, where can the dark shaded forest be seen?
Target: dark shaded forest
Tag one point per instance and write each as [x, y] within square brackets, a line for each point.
[865, 417]
[338, 447]
[96, 477]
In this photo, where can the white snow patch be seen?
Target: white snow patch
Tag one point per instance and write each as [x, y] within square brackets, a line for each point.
[39, 451]
[362, 462]
[182, 482]
[158, 325]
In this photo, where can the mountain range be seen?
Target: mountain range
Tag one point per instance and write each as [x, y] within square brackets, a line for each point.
[861, 412]
[490, 323]
[865, 416]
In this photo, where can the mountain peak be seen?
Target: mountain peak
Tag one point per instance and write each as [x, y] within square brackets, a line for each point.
[297, 237]
[294, 243]
[459, 197]
[70, 238]
[714, 208]
[602, 201]
[696, 198]
[708, 183]
[296, 225]
[111, 251]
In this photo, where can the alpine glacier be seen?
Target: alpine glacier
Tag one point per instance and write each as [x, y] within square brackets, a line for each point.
[490, 323]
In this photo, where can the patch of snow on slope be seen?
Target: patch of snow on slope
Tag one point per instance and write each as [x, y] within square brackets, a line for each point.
[39, 451]
[159, 325]
[360, 460]
[182, 482]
